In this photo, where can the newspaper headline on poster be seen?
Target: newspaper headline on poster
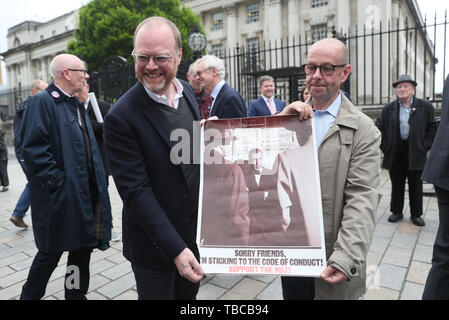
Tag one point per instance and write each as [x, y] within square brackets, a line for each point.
[260, 201]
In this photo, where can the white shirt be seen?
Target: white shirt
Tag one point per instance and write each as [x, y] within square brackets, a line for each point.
[215, 92]
[163, 98]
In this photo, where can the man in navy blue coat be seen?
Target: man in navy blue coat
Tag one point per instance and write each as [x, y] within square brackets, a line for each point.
[227, 102]
[159, 193]
[266, 104]
[68, 190]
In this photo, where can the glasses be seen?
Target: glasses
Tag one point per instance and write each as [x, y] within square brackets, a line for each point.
[198, 73]
[326, 69]
[80, 70]
[143, 60]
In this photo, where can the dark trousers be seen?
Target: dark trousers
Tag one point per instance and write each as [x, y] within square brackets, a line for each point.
[76, 279]
[437, 284]
[298, 288]
[399, 172]
[4, 181]
[164, 284]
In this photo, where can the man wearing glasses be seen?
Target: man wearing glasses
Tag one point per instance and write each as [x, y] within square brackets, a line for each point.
[349, 162]
[160, 195]
[68, 191]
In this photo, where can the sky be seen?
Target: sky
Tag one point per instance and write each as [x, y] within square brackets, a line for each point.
[17, 11]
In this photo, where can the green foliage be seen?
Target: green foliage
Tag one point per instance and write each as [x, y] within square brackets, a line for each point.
[106, 27]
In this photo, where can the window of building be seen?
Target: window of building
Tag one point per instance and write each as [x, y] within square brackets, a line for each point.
[217, 21]
[252, 13]
[16, 42]
[217, 50]
[253, 46]
[319, 32]
[319, 3]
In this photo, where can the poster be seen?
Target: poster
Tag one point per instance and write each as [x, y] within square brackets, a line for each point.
[260, 201]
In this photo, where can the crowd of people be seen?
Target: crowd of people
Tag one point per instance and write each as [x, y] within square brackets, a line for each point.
[67, 151]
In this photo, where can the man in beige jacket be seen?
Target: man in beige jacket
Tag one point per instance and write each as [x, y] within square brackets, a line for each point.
[349, 161]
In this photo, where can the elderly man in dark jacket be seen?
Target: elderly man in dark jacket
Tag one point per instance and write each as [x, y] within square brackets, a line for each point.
[408, 129]
[69, 197]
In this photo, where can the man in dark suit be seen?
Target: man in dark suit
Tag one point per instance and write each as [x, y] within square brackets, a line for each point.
[160, 197]
[266, 104]
[227, 102]
[408, 129]
[436, 171]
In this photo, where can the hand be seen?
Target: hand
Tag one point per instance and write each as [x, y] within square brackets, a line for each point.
[305, 111]
[188, 267]
[333, 275]
[204, 120]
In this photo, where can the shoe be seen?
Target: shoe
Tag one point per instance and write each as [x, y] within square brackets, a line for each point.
[395, 218]
[418, 221]
[18, 222]
[115, 236]
[5, 189]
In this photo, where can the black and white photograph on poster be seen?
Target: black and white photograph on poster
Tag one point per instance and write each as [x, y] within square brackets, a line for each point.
[260, 201]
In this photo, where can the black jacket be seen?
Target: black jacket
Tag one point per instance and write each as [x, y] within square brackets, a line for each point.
[437, 166]
[422, 132]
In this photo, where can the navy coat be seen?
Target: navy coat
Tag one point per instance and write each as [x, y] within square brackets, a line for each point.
[156, 224]
[436, 170]
[228, 104]
[259, 108]
[422, 132]
[54, 153]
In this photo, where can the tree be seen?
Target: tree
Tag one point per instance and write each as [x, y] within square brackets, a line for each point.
[106, 27]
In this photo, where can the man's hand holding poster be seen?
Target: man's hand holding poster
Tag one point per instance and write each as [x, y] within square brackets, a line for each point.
[260, 201]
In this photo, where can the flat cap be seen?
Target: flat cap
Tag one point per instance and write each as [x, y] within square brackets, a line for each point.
[404, 78]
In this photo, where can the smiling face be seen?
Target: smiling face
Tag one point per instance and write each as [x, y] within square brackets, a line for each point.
[157, 39]
[267, 88]
[405, 91]
[325, 88]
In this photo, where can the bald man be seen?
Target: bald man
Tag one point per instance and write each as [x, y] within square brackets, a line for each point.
[349, 162]
[68, 190]
[24, 200]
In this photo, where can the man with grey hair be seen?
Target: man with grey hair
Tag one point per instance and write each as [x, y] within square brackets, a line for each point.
[266, 104]
[204, 100]
[24, 200]
[68, 191]
[160, 196]
[227, 102]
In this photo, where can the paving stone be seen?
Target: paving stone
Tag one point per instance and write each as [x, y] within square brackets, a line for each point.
[397, 256]
[381, 294]
[379, 244]
[388, 276]
[264, 278]
[117, 287]
[373, 259]
[12, 259]
[97, 281]
[247, 289]
[118, 270]
[431, 226]
[12, 291]
[403, 240]
[385, 230]
[226, 281]
[412, 291]
[427, 238]
[95, 296]
[128, 295]
[272, 292]
[423, 253]
[13, 278]
[418, 272]
[408, 228]
[5, 271]
[210, 292]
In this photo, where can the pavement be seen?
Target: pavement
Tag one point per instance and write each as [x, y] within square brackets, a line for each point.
[398, 261]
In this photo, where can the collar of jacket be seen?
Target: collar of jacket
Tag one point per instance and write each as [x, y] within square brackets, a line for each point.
[347, 115]
[56, 93]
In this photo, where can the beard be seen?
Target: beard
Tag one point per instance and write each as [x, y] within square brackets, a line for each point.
[163, 81]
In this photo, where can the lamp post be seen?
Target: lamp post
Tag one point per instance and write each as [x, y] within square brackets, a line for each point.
[197, 42]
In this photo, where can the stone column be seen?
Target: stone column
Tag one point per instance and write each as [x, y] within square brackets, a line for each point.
[231, 25]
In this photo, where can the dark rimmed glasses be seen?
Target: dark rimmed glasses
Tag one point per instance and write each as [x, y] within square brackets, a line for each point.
[325, 69]
[80, 70]
[143, 60]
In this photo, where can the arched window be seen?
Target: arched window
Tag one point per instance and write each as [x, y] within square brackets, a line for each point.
[16, 42]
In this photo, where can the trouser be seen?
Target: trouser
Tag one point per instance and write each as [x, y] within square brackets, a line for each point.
[23, 203]
[298, 288]
[164, 284]
[399, 172]
[4, 181]
[437, 284]
[77, 276]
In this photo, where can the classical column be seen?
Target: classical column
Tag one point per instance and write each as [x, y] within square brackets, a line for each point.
[231, 25]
